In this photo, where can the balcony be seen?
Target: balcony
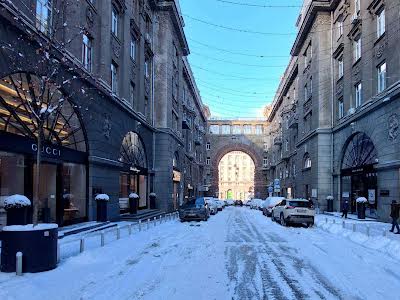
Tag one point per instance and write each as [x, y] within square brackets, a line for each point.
[278, 140]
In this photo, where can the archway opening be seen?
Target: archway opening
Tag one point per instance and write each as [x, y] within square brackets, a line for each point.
[236, 176]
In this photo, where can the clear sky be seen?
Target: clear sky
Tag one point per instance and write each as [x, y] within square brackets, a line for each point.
[239, 84]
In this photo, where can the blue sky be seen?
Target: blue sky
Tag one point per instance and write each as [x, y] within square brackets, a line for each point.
[239, 84]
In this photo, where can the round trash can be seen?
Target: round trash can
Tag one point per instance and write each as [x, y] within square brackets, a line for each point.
[329, 201]
[101, 201]
[361, 210]
[133, 205]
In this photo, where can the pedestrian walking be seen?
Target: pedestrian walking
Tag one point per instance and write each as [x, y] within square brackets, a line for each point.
[394, 214]
[345, 209]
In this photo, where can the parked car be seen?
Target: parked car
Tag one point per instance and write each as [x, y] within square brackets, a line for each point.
[260, 205]
[248, 202]
[294, 211]
[220, 204]
[230, 202]
[269, 203]
[255, 203]
[238, 203]
[212, 205]
[194, 210]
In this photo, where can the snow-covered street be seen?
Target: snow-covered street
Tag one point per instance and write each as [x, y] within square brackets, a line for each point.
[237, 254]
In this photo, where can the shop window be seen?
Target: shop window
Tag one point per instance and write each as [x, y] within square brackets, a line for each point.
[74, 191]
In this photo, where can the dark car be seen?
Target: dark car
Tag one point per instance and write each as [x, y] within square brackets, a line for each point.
[194, 210]
[238, 203]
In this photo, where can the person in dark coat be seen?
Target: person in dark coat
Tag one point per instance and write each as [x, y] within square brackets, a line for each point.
[345, 209]
[394, 214]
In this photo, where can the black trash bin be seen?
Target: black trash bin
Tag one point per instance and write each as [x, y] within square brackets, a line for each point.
[152, 198]
[17, 216]
[361, 210]
[133, 205]
[329, 201]
[101, 210]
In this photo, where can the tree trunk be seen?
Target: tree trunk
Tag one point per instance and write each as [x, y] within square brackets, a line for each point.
[36, 199]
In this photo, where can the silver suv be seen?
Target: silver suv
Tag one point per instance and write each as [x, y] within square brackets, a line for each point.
[294, 211]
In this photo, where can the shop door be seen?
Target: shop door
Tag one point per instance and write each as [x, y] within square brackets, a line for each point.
[50, 209]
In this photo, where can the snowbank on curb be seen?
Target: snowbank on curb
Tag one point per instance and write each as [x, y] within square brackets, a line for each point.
[102, 197]
[30, 227]
[379, 243]
[16, 201]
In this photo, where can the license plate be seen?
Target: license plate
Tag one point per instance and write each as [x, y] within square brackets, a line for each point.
[301, 210]
[191, 215]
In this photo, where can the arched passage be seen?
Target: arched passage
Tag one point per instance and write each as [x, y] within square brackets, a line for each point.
[260, 190]
[236, 176]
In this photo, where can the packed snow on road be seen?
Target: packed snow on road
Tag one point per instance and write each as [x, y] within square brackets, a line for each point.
[237, 254]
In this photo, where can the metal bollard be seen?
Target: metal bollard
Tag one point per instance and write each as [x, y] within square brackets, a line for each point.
[160, 219]
[130, 229]
[354, 228]
[368, 230]
[334, 221]
[140, 225]
[344, 224]
[102, 239]
[326, 220]
[384, 233]
[58, 252]
[118, 233]
[82, 245]
[155, 221]
[148, 223]
[18, 268]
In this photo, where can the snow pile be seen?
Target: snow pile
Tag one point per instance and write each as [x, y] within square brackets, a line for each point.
[153, 195]
[102, 197]
[133, 195]
[30, 227]
[16, 201]
[379, 242]
[361, 200]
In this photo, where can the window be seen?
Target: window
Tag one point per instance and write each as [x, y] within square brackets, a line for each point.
[380, 23]
[259, 129]
[247, 129]
[340, 108]
[147, 68]
[357, 49]
[311, 86]
[237, 129]
[43, 15]
[87, 52]
[208, 146]
[357, 6]
[382, 77]
[286, 145]
[358, 89]
[307, 161]
[306, 92]
[132, 94]
[133, 48]
[114, 21]
[339, 28]
[208, 161]
[340, 67]
[265, 147]
[265, 162]
[226, 129]
[114, 78]
[214, 129]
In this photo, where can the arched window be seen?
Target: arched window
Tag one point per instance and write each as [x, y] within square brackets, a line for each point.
[360, 151]
[132, 151]
[307, 161]
[26, 100]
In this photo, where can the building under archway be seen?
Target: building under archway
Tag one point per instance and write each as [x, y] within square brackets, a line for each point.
[236, 176]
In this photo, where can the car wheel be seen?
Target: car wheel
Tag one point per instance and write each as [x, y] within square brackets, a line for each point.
[282, 219]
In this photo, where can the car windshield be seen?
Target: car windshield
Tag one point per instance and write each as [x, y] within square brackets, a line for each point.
[299, 203]
[199, 202]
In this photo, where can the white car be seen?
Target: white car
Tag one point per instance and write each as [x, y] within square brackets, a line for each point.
[269, 204]
[212, 205]
[294, 211]
[255, 203]
[220, 204]
[231, 202]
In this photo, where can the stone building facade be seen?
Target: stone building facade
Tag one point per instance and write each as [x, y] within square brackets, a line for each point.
[228, 136]
[338, 106]
[107, 72]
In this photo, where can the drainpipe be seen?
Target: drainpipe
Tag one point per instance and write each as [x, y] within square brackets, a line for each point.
[332, 107]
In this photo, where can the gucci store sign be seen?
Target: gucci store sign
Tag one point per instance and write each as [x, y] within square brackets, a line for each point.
[47, 150]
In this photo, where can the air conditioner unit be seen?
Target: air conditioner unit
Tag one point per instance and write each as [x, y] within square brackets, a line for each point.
[354, 18]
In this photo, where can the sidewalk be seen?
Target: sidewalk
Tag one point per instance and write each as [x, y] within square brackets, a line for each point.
[350, 217]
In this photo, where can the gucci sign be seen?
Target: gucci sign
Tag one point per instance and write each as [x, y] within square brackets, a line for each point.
[47, 150]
